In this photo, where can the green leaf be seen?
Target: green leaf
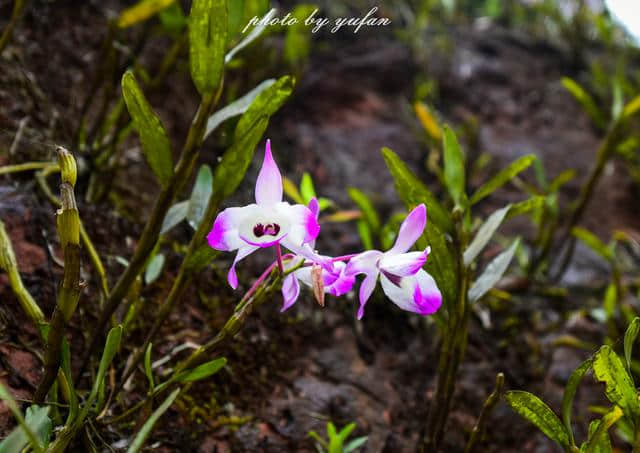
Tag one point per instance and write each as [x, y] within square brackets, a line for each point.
[493, 273]
[141, 11]
[502, 177]
[355, 444]
[252, 36]
[200, 194]
[629, 338]
[154, 268]
[484, 234]
[598, 441]
[146, 429]
[366, 207]
[291, 190]
[608, 368]
[364, 231]
[526, 206]
[235, 161]
[453, 166]
[297, 40]
[570, 392]
[176, 214]
[595, 244]
[537, 412]
[413, 192]
[153, 137]
[585, 100]
[346, 432]
[324, 203]
[561, 180]
[29, 431]
[147, 366]
[173, 18]
[631, 108]
[202, 371]
[237, 107]
[306, 188]
[207, 43]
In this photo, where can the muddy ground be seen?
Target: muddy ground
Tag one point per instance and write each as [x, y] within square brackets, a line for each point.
[291, 373]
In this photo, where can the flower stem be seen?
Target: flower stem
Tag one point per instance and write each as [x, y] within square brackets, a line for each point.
[279, 258]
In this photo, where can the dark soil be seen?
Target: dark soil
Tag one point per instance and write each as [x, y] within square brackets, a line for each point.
[291, 373]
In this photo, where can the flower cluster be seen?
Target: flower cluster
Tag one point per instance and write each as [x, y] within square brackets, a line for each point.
[271, 222]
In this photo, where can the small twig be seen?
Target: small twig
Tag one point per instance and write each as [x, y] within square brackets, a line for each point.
[28, 166]
[18, 137]
[478, 431]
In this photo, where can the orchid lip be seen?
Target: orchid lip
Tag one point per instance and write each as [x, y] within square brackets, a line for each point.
[263, 244]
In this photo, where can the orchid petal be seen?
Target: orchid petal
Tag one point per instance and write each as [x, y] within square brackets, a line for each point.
[410, 230]
[403, 264]
[225, 232]
[265, 226]
[364, 263]
[243, 252]
[269, 183]
[290, 291]
[366, 289]
[417, 294]
[304, 225]
[314, 207]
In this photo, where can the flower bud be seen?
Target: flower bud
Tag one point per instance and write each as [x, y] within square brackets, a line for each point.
[317, 283]
[68, 168]
[68, 220]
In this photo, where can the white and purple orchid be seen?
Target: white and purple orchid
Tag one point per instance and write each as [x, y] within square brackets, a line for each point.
[271, 222]
[268, 222]
[401, 275]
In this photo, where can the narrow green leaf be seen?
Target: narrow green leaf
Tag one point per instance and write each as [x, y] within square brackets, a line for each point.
[291, 190]
[237, 107]
[493, 273]
[502, 177]
[629, 338]
[173, 19]
[252, 36]
[355, 444]
[176, 214]
[599, 441]
[537, 412]
[346, 432]
[454, 176]
[608, 368]
[207, 43]
[154, 268]
[147, 366]
[306, 188]
[570, 392]
[364, 231]
[202, 371]
[141, 11]
[200, 194]
[366, 207]
[484, 234]
[297, 40]
[632, 107]
[146, 429]
[412, 191]
[235, 161]
[561, 180]
[585, 100]
[153, 137]
[26, 432]
[595, 244]
[110, 349]
[526, 206]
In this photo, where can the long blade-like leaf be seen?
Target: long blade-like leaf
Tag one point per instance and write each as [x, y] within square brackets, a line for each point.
[208, 21]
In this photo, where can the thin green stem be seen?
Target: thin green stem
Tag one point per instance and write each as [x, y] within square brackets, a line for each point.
[18, 7]
[27, 166]
[151, 231]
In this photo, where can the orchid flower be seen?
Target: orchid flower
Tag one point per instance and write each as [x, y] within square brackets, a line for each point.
[401, 275]
[335, 281]
[268, 222]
